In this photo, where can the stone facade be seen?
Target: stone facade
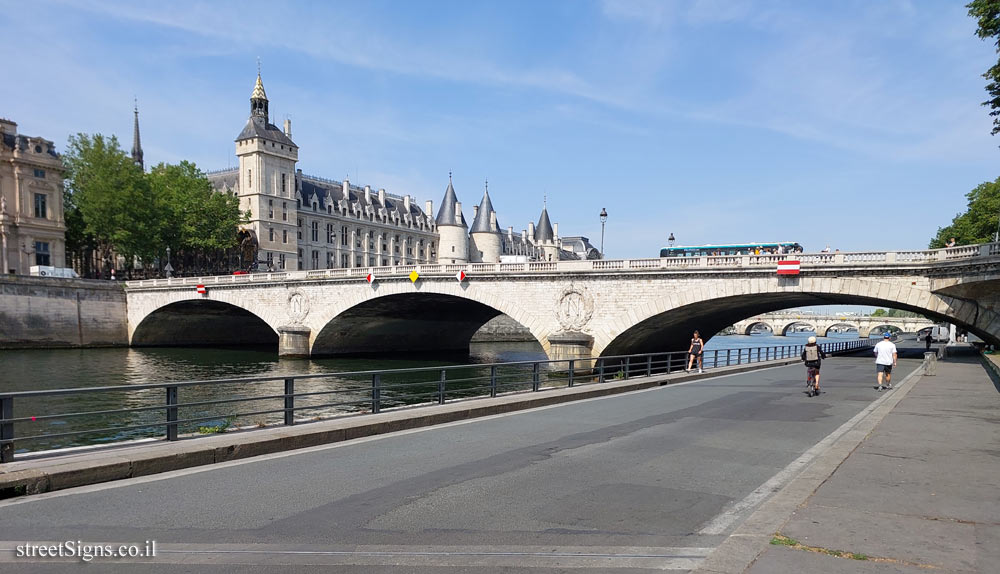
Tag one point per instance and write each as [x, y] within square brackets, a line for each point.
[305, 222]
[32, 226]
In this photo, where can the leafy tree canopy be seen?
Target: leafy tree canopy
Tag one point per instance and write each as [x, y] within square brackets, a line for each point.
[979, 222]
[987, 14]
[115, 207]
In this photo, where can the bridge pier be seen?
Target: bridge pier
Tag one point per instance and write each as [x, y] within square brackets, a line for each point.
[566, 345]
[293, 341]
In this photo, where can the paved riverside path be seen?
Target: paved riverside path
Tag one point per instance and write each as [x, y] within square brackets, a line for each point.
[921, 494]
[638, 482]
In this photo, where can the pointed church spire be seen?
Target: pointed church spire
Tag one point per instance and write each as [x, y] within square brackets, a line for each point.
[136, 143]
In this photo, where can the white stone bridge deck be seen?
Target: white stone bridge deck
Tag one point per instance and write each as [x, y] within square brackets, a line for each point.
[573, 308]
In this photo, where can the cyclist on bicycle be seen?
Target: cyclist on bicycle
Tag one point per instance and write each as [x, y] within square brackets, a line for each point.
[813, 357]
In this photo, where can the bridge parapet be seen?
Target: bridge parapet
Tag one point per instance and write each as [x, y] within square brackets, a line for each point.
[814, 261]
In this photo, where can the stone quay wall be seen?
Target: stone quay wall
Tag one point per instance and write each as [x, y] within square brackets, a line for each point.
[503, 329]
[43, 312]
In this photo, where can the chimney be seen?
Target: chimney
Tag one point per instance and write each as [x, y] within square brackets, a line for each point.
[458, 213]
[531, 230]
[493, 221]
[288, 127]
[429, 205]
[555, 230]
[347, 189]
[475, 212]
[381, 195]
[406, 203]
[510, 232]
[368, 194]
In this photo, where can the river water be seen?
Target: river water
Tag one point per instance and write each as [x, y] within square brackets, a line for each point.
[22, 370]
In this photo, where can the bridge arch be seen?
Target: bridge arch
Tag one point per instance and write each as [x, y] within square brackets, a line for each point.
[787, 327]
[390, 318]
[202, 322]
[877, 329]
[750, 326]
[663, 326]
[826, 331]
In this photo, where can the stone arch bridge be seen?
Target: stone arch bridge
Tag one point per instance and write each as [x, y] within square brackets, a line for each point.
[573, 308]
[782, 323]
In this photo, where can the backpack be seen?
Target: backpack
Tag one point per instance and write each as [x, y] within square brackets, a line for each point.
[812, 353]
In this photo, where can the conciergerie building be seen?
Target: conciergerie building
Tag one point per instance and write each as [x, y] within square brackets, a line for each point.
[308, 222]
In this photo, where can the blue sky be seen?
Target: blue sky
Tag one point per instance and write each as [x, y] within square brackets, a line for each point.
[853, 124]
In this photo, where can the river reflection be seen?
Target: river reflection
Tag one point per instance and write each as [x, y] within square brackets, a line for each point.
[78, 368]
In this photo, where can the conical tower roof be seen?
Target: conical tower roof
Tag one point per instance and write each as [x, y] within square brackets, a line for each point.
[543, 231]
[482, 222]
[258, 90]
[446, 215]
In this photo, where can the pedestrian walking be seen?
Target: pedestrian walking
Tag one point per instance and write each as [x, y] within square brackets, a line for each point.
[695, 351]
[928, 340]
[885, 359]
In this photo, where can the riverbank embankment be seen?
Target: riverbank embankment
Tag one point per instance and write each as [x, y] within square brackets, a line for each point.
[43, 312]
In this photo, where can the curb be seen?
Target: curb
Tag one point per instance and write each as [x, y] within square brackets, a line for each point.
[92, 466]
[752, 538]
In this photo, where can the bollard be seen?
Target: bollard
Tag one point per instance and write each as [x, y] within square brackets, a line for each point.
[930, 363]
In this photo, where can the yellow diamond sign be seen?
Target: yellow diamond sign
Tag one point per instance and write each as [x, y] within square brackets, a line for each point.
[414, 276]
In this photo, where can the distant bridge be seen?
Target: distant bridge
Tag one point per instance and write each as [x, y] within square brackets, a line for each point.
[782, 323]
[583, 308]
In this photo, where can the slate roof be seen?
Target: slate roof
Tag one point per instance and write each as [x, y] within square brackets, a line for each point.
[323, 191]
[543, 231]
[446, 215]
[258, 127]
[482, 222]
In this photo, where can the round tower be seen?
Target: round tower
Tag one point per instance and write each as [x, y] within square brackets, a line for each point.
[484, 237]
[453, 245]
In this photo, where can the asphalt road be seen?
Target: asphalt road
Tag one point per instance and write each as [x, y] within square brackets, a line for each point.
[645, 481]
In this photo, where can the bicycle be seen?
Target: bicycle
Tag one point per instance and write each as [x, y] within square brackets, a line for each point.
[811, 381]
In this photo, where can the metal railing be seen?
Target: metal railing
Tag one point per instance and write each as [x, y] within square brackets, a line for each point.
[173, 409]
[658, 265]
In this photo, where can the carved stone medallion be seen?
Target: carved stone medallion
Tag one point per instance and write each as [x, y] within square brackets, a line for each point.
[574, 308]
[298, 306]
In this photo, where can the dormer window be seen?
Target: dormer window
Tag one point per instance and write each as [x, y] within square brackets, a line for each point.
[315, 205]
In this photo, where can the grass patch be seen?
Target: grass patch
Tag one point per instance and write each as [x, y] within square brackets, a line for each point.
[219, 428]
[782, 540]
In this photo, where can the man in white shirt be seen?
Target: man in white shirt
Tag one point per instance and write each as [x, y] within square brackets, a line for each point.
[885, 360]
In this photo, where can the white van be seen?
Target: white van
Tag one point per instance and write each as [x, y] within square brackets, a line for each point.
[48, 271]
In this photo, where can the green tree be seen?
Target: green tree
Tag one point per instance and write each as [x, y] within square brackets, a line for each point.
[193, 217]
[111, 197]
[980, 221]
[987, 14]
[880, 313]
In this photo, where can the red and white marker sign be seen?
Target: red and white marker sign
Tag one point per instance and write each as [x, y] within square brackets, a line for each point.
[370, 278]
[460, 276]
[202, 290]
[788, 267]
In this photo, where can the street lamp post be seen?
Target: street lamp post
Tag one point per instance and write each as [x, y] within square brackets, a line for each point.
[604, 218]
[168, 269]
[670, 240]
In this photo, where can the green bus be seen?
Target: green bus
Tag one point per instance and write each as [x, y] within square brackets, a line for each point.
[785, 247]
